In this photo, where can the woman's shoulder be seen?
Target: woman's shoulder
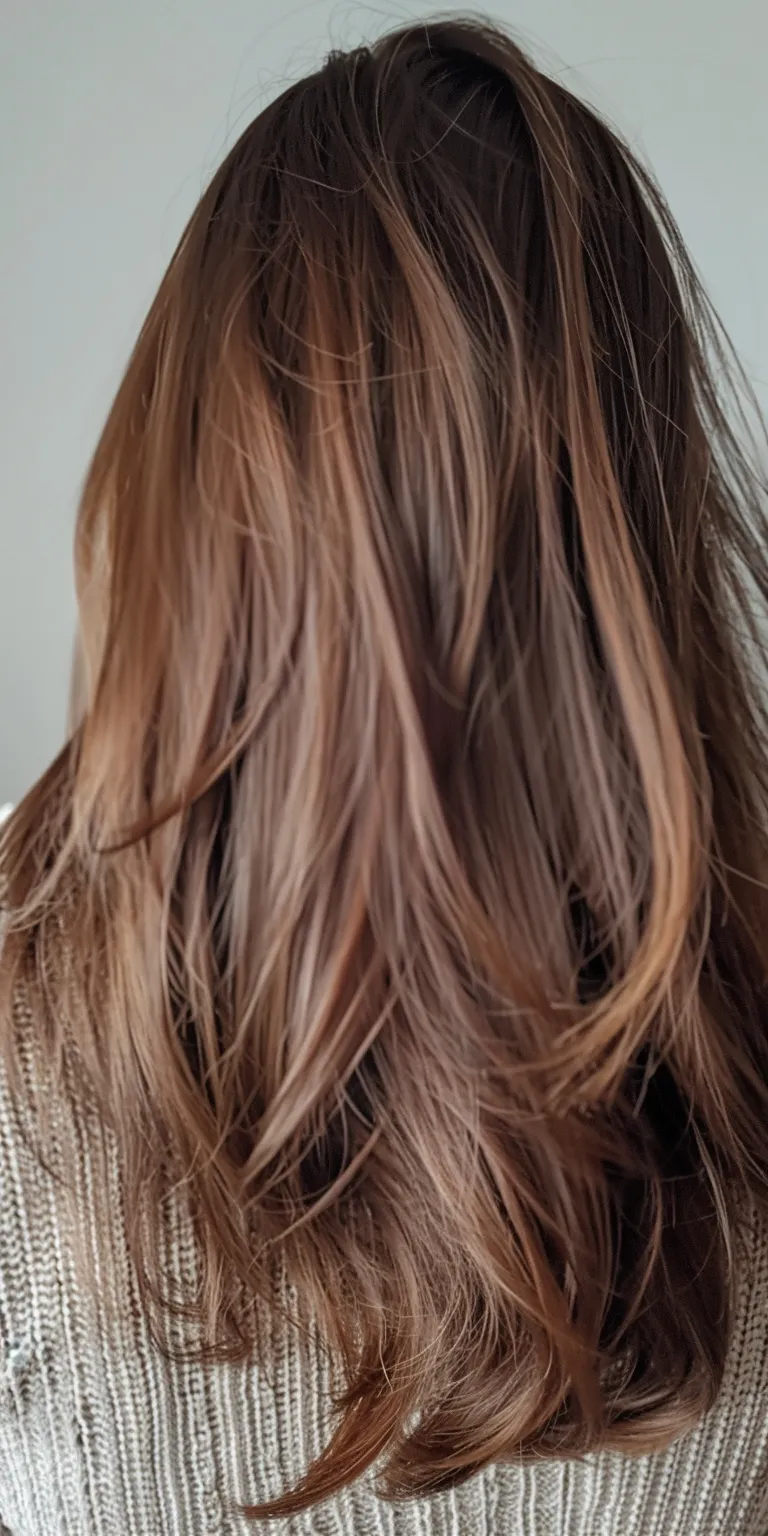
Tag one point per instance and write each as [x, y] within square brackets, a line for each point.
[47, 1118]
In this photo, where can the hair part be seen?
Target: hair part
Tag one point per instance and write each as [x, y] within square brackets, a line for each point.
[411, 833]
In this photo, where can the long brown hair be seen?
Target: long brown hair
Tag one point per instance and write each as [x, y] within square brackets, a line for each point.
[402, 885]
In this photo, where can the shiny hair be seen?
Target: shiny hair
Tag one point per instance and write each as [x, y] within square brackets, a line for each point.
[402, 884]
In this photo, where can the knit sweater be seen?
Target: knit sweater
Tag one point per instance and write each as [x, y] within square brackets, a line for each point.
[102, 1435]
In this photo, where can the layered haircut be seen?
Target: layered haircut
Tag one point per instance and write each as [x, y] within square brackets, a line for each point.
[401, 888]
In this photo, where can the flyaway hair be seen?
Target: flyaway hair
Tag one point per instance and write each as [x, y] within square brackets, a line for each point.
[400, 891]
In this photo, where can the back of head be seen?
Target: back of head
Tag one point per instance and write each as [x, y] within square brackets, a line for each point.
[415, 804]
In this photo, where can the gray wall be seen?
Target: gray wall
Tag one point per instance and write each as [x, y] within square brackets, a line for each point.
[114, 113]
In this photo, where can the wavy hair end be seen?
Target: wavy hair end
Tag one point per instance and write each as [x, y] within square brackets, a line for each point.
[401, 887]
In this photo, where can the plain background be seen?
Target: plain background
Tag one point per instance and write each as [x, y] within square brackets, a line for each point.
[113, 116]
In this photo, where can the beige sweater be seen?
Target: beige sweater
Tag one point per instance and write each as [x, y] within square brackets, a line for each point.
[100, 1436]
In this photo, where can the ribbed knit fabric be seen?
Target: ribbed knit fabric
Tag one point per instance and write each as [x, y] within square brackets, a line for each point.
[101, 1436]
